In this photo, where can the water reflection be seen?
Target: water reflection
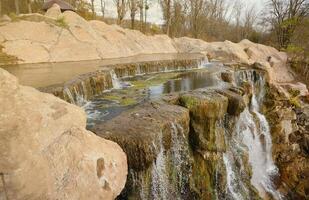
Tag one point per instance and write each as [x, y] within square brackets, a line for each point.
[100, 109]
[185, 82]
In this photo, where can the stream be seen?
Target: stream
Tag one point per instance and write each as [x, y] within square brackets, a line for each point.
[250, 136]
[243, 169]
[128, 92]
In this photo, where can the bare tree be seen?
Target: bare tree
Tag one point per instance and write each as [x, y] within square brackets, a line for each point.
[166, 6]
[0, 8]
[92, 9]
[121, 6]
[249, 21]
[17, 7]
[285, 16]
[141, 15]
[238, 10]
[133, 7]
[196, 12]
[103, 6]
[29, 6]
[144, 6]
[178, 19]
[147, 5]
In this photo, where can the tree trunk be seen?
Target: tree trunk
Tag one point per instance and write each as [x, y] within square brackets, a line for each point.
[141, 16]
[17, 7]
[92, 9]
[103, 8]
[0, 8]
[29, 6]
[132, 21]
[168, 27]
[146, 9]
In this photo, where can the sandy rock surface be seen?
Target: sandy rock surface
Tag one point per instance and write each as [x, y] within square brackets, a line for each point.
[68, 37]
[46, 152]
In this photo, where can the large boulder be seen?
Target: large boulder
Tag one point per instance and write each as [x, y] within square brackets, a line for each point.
[139, 131]
[53, 12]
[46, 152]
[206, 110]
[274, 61]
[226, 52]
[155, 136]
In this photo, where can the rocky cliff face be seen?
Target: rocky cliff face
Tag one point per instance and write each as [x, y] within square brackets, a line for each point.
[288, 113]
[46, 152]
[176, 148]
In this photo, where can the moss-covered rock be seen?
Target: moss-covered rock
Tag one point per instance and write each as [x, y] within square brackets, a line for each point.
[140, 129]
[206, 108]
[155, 138]
[236, 102]
[289, 133]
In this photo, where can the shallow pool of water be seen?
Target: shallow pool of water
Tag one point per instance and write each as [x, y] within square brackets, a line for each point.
[138, 89]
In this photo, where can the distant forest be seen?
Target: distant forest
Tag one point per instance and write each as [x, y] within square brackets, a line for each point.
[283, 24]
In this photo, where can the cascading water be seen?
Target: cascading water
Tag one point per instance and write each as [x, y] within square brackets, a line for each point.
[236, 174]
[115, 80]
[203, 63]
[160, 182]
[232, 180]
[169, 174]
[253, 131]
[180, 158]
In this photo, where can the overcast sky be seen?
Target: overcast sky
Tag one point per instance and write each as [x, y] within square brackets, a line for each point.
[155, 14]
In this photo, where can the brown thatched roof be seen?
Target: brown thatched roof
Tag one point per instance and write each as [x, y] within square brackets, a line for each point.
[63, 5]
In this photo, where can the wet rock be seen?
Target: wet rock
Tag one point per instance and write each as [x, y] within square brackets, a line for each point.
[290, 142]
[155, 138]
[296, 89]
[236, 103]
[206, 108]
[43, 141]
[139, 130]
[227, 76]
[172, 98]
[304, 143]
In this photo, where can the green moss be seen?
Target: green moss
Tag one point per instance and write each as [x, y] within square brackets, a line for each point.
[122, 100]
[294, 92]
[155, 80]
[188, 101]
[62, 23]
[295, 102]
[112, 97]
[127, 101]
[13, 17]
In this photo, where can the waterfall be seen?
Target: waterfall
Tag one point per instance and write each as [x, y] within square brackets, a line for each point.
[160, 182]
[115, 80]
[253, 131]
[203, 63]
[78, 98]
[67, 92]
[180, 154]
[231, 178]
[169, 175]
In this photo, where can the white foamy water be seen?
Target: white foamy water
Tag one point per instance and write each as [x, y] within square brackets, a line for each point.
[180, 157]
[160, 183]
[231, 178]
[203, 63]
[115, 80]
[253, 131]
